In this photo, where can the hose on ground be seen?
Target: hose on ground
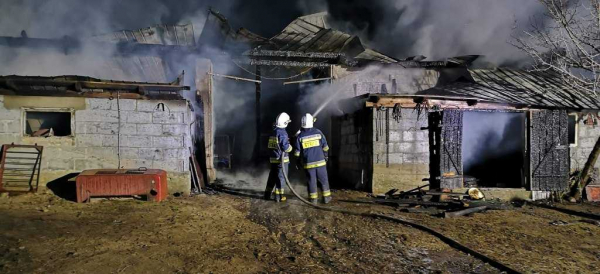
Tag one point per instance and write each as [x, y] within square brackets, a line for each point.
[500, 266]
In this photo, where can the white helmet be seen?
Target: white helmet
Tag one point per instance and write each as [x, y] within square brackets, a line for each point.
[308, 120]
[282, 120]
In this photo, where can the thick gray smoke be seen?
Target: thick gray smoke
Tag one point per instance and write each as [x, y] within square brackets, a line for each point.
[435, 29]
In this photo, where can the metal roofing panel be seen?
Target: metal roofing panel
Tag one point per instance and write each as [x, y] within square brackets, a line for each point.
[521, 87]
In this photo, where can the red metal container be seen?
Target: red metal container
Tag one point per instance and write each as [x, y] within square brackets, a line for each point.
[593, 193]
[151, 183]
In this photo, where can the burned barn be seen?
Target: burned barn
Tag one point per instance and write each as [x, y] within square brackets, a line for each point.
[86, 123]
[491, 128]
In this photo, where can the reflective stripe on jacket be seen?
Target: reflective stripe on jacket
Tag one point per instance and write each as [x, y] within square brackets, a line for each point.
[279, 143]
[311, 147]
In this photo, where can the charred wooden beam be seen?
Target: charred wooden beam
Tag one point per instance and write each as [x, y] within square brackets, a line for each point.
[287, 53]
[16, 84]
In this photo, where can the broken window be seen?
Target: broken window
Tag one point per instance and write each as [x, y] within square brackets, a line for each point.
[47, 123]
[573, 130]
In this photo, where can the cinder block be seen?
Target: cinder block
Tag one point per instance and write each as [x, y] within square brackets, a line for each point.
[135, 163]
[170, 106]
[123, 104]
[137, 117]
[110, 116]
[172, 130]
[10, 114]
[7, 138]
[151, 154]
[89, 140]
[111, 140]
[61, 164]
[167, 142]
[11, 126]
[167, 118]
[83, 164]
[422, 136]
[101, 128]
[138, 141]
[409, 136]
[179, 153]
[405, 147]
[129, 153]
[395, 136]
[64, 152]
[98, 103]
[101, 153]
[396, 158]
[150, 129]
[128, 129]
[173, 165]
[422, 147]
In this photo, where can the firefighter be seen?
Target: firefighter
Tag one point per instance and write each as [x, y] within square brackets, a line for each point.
[279, 144]
[311, 149]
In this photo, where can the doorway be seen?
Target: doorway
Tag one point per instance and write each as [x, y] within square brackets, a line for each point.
[493, 148]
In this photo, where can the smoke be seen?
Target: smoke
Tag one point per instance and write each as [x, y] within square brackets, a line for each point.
[436, 29]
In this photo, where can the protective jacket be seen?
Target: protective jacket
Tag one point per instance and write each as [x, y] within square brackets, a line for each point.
[311, 147]
[279, 143]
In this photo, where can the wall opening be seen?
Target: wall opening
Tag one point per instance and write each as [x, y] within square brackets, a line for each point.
[493, 148]
[47, 123]
[572, 130]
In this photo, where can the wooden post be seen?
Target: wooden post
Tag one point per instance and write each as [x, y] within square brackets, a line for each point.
[257, 113]
[204, 92]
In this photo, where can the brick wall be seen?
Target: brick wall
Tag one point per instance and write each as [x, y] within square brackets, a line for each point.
[402, 160]
[149, 137]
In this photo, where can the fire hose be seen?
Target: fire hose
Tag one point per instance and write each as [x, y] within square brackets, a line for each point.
[500, 266]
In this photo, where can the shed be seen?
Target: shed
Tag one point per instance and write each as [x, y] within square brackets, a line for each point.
[99, 123]
[491, 128]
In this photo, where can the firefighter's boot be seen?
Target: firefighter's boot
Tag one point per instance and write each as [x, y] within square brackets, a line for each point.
[326, 199]
[313, 201]
[280, 198]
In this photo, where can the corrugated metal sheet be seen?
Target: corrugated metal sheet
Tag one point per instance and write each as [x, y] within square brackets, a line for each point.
[520, 87]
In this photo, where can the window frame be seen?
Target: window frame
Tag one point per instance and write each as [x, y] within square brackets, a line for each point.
[576, 129]
[63, 110]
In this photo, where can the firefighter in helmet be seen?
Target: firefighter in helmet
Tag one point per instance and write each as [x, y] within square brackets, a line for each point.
[311, 149]
[279, 145]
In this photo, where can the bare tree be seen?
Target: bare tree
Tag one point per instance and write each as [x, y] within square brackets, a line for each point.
[566, 40]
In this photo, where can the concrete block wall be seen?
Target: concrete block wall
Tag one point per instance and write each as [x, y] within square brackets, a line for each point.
[587, 135]
[354, 150]
[148, 137]
[403, 161]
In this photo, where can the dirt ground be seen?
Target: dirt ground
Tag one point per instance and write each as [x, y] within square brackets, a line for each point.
[239, 233]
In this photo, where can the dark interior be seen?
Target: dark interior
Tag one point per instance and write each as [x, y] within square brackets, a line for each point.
[493, 148]
[59, 122]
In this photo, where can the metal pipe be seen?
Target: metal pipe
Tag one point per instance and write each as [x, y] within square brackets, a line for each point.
[235, 78]
[307, 81]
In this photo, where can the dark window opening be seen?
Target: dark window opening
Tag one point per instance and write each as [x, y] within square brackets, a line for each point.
[493, 148]
[47, 124]
[573, 130]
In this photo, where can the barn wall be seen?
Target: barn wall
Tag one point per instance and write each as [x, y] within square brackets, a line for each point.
[352, 150]
[586, 139]
[402, 160]
[149, 137]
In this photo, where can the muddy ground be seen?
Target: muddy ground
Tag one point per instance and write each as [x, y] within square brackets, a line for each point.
[226, 233]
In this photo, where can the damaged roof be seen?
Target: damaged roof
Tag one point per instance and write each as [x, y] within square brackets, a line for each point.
[519, 87]
[83, 86]
[311, 33]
